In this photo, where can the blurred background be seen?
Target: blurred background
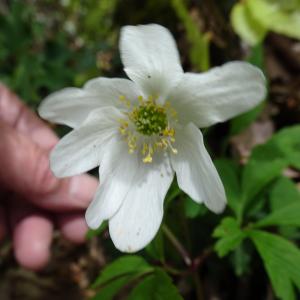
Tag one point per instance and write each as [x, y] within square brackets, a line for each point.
[47, 45]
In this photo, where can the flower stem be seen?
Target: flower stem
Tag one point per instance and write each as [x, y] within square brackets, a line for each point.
[177, 244]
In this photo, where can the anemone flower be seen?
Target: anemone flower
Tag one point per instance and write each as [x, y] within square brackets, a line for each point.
[144, 130]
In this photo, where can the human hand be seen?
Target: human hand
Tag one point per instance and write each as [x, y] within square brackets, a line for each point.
[32, 200]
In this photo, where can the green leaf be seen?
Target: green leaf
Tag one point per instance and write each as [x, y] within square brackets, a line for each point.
[118, 274]
[193, 209]
[230, 236]
[252, 19]
[288, 142]
[125, 265]
[229, 173]
[289, 215]
[240, 260]
[157, 286]
[265, 164]
[283, 193]
[257, 174]
[282, 261]
[276, 17]
[108, 291]
[249, 29]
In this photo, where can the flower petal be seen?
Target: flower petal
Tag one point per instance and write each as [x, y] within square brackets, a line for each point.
[138, 219]
[71, 106]
[117, 172]
[82, 149]
[195, 171]
[150, 57]
[219, 94]
[110, 90]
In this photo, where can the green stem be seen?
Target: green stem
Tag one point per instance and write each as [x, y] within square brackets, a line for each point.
[177, 244]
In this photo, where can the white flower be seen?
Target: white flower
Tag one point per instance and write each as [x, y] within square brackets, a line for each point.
[142, 132]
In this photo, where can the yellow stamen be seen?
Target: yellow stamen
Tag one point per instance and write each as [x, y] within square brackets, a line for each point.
[141, 99]
[148, 158]
[148, 121]
[125, 101]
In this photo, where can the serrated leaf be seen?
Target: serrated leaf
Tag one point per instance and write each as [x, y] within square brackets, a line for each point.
[267, 162]
[229, 174]
[249, 29]
[282, 261]
[287, 141]
[283, 193]
[257, 175]
[125, 265]
[157, 286]
[230, 236]
[289, 215]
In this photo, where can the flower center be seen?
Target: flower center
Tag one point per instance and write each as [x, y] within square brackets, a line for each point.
[149, 118]
[148, 128]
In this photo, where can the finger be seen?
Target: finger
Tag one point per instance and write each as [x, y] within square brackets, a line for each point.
[73, 227]
[24, 168]
[15, 114]
[32, 236]
[71, 194]
[3, 228]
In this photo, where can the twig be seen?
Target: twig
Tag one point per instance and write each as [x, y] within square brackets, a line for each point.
[198, 261]
[178, 246]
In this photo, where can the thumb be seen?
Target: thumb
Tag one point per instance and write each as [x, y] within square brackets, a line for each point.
[24, 169]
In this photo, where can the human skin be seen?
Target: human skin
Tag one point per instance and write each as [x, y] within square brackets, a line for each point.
[32, 201]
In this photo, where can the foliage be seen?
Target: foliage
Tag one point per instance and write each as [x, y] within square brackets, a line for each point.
[280, 258]
[151, 282]
[266, 163]
[47, 45]
[252, 19]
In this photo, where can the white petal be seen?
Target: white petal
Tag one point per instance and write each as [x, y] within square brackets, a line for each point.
[150, 57]
[117, 171]
[82, 149]
[195, 171]
[219, 94]
[138, 219]
[110, 90]
[71, 106]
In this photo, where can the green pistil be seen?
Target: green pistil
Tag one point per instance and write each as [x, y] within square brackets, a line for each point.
[150, 119]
